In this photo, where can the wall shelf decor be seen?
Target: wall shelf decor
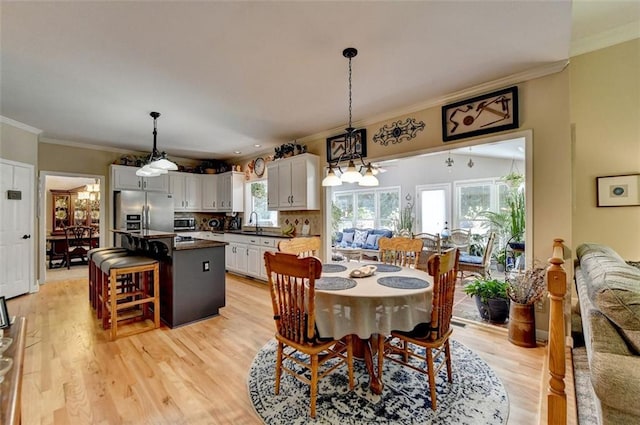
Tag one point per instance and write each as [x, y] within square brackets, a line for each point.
[489, 113]
[618, 191]
[398, 132]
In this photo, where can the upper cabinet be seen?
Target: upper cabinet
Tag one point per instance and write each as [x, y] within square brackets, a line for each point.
[124, 178]
[209, 192]
[230, 192]
[186, 189]
[293, 183]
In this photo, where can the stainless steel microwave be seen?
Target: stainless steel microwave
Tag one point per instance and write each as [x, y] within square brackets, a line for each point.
[184, 223]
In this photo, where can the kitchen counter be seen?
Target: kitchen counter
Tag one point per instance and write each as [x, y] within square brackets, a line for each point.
[266, 234]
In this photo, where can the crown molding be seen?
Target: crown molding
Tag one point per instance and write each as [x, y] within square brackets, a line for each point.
[606, 38]
[86, 146]
[538, 72]
[19, 125]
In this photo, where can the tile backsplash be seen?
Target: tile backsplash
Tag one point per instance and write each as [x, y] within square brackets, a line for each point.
[296, 218]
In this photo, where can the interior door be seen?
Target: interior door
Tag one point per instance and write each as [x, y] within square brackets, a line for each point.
[17, 245]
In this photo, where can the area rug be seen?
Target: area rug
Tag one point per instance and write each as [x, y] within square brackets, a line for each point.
[586, 406]
[476, 395]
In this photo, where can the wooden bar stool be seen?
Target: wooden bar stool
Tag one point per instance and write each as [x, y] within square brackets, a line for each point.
[130, 301]
[96, 256]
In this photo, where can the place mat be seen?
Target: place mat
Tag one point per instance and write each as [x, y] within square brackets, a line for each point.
[333, 268]
[385, 268]
[334, 283]
[403, 282]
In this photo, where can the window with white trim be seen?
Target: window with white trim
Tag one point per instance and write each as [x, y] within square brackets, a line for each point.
[256, 200]
[474, 196]
[366, 208]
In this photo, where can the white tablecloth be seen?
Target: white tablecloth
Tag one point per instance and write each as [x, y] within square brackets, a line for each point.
[370, 308]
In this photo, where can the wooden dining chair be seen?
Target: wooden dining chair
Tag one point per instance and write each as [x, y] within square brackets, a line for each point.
[432, 336]
[292, 287]
[78, 240]
[400, 251]
[475, 264]
[302, 247]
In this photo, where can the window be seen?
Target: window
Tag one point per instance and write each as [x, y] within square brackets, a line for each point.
[256, 200]
[367, 208]
[474, 196]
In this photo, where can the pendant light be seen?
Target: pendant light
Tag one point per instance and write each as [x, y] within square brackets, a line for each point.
[157, 163]
[352, 174]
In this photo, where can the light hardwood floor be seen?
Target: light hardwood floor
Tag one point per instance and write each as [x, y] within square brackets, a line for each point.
[195, 374]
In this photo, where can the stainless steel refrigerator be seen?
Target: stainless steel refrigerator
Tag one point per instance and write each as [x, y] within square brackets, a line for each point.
[153, 210]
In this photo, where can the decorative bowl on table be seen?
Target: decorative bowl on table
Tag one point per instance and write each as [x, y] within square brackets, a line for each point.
[5, 366]
[364, 271]
[4, 344]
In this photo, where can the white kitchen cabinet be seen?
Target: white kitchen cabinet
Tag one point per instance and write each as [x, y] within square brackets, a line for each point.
[245, 254]
[186, 189]
[230, 192]
[124, 178]
[293, 183]
[209, 192]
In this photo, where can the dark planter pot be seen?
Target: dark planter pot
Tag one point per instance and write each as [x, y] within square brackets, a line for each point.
[494, 310]
[517, 246]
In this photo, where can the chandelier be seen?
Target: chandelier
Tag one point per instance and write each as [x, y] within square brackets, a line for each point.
[352, 174]
[157, 163]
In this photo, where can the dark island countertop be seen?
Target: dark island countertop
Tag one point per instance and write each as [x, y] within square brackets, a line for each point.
[197, 244]
[145, 234]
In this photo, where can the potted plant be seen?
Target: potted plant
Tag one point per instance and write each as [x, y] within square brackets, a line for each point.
[525, 288]
[491, 299]
[501, 259]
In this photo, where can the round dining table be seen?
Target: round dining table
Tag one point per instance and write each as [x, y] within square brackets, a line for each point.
[392, 298]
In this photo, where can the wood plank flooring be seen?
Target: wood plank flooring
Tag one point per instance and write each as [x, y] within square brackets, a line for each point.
[191, 375]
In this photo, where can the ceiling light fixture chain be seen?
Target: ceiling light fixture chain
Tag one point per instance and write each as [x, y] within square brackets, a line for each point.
[351, 174]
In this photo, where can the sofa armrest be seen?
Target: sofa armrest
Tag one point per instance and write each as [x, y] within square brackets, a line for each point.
[616, 381]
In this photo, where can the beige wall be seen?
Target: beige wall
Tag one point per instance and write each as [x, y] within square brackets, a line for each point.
[605, 109]
[18, 145]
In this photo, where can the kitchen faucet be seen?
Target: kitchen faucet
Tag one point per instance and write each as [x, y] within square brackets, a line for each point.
[258, 230]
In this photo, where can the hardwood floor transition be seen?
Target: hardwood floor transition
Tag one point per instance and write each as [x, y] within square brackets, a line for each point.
[195, 374]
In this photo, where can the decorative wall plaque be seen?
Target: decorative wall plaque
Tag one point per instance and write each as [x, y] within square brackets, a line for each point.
[484, 114]
[398, 132]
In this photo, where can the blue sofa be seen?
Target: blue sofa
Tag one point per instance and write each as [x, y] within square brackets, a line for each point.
[365, 239]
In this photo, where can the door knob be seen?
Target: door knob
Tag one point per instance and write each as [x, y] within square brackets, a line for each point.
[26, 236]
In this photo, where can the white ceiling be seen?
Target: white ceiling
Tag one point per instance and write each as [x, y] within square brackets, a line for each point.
[228, 75]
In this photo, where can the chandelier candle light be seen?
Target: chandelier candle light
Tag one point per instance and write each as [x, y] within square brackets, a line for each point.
[157, 163]
[351, 174]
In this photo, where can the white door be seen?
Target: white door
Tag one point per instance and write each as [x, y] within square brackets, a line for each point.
[434, 209]
[17, 244]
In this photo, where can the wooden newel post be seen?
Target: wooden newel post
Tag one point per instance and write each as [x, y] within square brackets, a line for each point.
[557, 287]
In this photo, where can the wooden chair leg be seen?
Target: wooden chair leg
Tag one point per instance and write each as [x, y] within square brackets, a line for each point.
[278, 367]
[113, 283]
[447, 352]
[349, 340]
[156, 296]
[380, 355]
[314, 383]
[432, 378]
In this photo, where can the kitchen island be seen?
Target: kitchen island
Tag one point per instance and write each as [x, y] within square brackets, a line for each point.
[192, 279]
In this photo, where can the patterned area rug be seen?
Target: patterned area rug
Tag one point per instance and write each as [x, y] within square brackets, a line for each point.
[476, 395]
[587, 414]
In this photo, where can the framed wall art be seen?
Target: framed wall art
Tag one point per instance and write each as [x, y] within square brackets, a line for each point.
[338, 146]
[618, 191]
[489, 113]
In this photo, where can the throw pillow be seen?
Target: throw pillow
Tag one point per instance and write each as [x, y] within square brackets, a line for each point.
[372, 242]
[360, 238]
[347, 238]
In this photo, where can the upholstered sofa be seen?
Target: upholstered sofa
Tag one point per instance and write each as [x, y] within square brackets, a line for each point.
[364, 239]
[609, 304]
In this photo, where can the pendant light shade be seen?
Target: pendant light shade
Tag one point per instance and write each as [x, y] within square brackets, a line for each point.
[157, 163]
[353, 173]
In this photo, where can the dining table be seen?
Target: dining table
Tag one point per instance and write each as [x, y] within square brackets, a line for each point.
[370, 307]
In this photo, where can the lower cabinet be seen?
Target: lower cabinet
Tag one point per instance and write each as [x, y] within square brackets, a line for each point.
[245, 254]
